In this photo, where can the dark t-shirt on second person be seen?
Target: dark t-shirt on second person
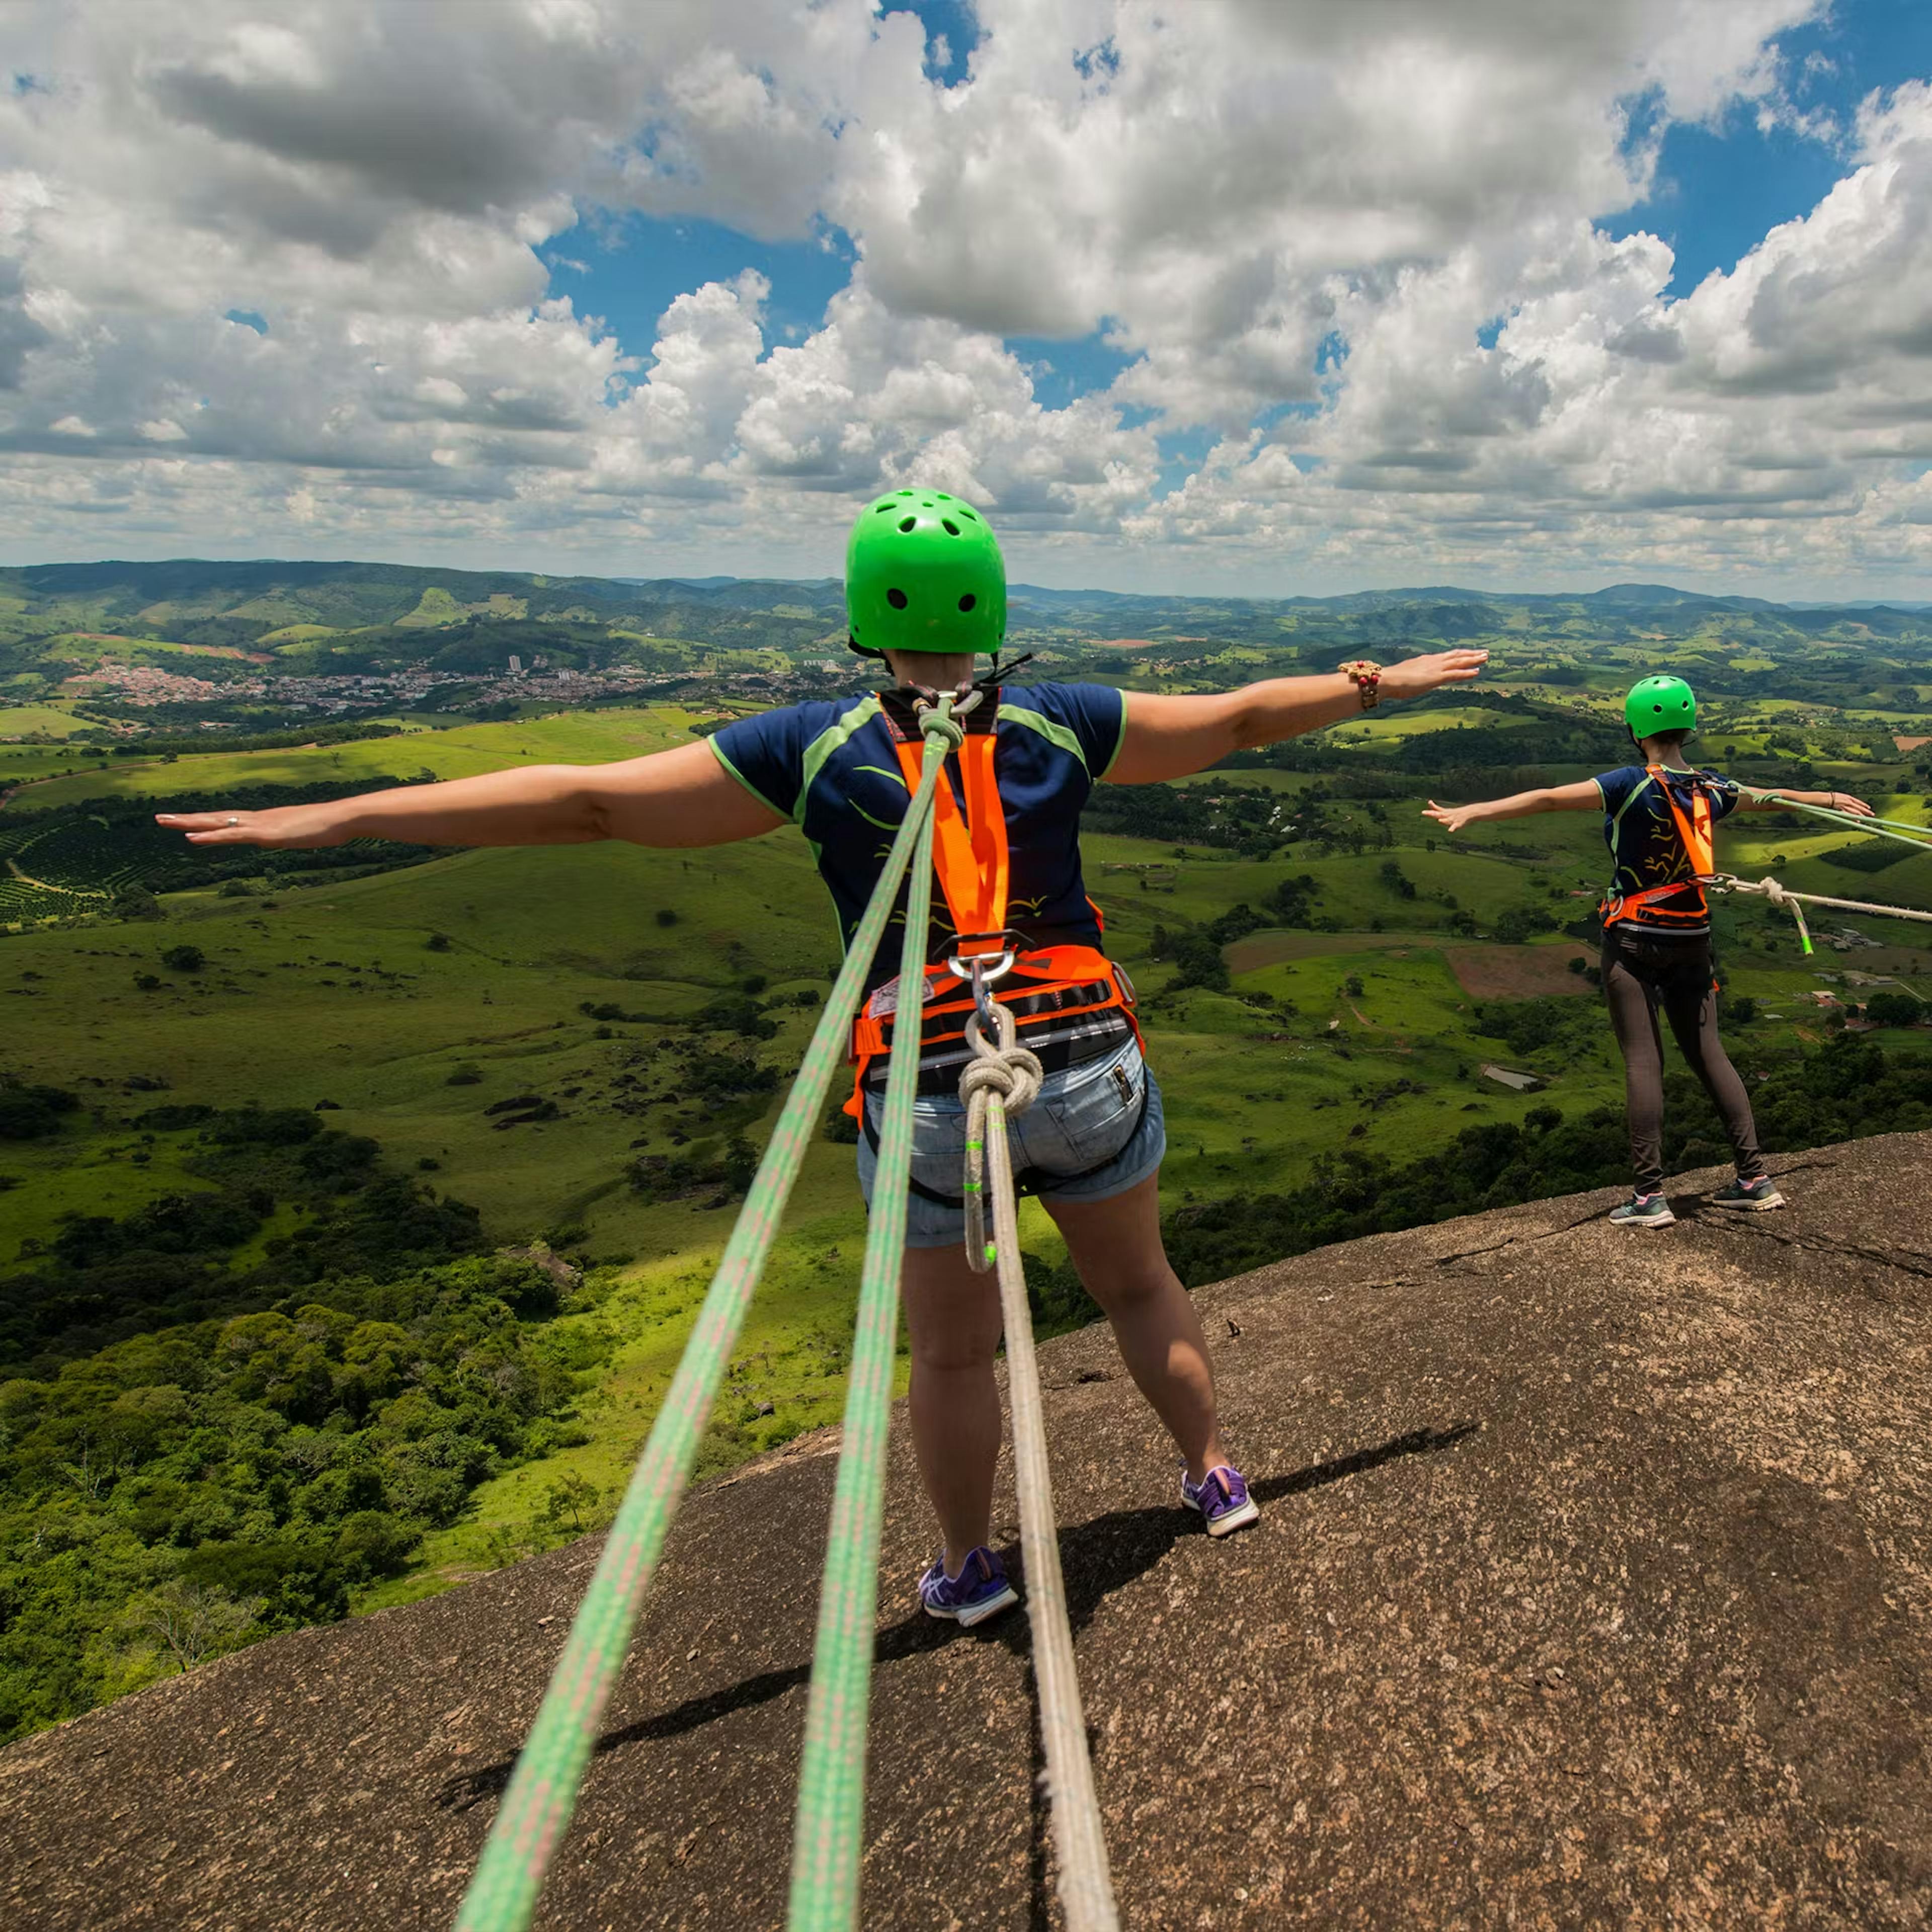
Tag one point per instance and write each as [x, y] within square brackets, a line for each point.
[1646, 850]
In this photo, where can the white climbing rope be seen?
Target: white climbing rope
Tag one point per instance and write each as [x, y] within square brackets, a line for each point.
[999, 1081]
[1795, 903]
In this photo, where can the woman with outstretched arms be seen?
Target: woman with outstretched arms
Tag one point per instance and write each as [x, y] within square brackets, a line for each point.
[1659, 819]
[926, 593]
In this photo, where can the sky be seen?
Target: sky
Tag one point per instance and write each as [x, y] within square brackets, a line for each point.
[1259, 297]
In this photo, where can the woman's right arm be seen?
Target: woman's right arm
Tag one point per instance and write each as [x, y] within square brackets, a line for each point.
[681, 797]
[1582, 796]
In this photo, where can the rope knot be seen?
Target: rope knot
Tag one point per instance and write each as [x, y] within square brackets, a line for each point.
[937, 722]
[1014, 1073]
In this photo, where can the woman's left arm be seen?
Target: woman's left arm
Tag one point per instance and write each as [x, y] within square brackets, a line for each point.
[1169, 737]
[1835, 801]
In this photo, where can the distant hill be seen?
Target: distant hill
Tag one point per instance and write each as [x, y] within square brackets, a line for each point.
[230, 623]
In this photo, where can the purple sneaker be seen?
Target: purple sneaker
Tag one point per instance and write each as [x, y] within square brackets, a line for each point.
[979, 1591]
[1222, 1497]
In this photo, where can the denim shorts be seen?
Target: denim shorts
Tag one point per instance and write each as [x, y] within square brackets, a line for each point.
[1089, 1127]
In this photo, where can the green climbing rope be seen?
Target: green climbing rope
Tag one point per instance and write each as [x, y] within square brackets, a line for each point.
[829, 1830]
[536, 1809]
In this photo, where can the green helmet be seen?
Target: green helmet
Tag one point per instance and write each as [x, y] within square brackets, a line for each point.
[923, 572]
[1660, 704]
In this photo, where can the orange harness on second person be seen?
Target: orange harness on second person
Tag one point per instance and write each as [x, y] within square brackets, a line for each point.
[1695, 830]
[1038, 985]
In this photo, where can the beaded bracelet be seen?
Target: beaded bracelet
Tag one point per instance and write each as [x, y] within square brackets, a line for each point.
[1366, 677]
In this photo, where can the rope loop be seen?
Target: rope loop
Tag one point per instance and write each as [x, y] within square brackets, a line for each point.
[1014, 1073]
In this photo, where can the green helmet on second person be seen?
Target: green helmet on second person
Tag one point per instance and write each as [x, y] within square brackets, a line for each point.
[923, 572]
[1660, 704]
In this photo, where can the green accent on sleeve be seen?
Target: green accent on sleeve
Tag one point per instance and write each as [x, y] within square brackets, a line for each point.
[1054, 734]
[1120, 742]
[881, 824]
[717, 752]
[829, 741]
[897, 777]
[1636, 792]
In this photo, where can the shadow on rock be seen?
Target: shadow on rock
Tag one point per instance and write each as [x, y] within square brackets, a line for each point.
[1097, 1558]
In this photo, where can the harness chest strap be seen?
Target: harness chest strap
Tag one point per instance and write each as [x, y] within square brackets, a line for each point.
[969, 854]
[1694, 829]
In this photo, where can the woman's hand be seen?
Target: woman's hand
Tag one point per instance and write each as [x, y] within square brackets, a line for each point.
[1851, 806]
[286, 825]
[1452, 818]
[1412, 676]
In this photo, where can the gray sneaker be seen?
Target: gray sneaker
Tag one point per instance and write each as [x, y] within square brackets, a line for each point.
[1754, 1196]
[1644, 1210]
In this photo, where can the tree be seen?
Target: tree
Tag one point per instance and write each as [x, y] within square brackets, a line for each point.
[184, 959]
[1889, 1009]
[196, 1620]
[570, 1495]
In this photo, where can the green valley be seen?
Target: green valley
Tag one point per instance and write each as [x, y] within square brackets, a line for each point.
[362, 1198]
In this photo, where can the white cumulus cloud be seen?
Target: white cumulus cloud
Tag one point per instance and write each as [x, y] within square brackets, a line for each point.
[270, 280]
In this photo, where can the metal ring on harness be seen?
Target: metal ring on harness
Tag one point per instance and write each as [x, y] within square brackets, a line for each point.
[981, 972]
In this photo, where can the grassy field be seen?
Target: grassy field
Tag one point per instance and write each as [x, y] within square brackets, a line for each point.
[560, 737]
[370, 994]
[51, 721]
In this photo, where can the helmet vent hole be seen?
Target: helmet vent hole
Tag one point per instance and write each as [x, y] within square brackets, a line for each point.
[906, 493]
[896, 599]
[951, 529]
[882, 508]
[966, 602]
[964, 512]
[907, 523]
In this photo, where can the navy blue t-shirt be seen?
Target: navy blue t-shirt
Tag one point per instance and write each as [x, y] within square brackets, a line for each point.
[1646, 850]
[831, 766]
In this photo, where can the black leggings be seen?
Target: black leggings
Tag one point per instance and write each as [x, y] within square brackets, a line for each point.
[1641, 973]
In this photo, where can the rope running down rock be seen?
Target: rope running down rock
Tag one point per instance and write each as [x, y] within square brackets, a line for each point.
[829, 1830]
[998, 1082]
[535, 1810]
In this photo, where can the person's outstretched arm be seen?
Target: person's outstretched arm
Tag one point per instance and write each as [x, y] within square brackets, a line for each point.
[1582, 796]
[682, 797]
[1752, 799]
[1169, 737]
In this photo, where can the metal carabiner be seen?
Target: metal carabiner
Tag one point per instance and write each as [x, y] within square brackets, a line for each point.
[979, 972]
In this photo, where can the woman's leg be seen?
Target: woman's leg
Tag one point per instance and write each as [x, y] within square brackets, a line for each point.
[953, 1320]
[1117, 1250]
[1690, 1005]
[1633, 1018]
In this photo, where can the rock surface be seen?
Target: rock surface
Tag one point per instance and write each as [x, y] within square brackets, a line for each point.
[1593, 1587]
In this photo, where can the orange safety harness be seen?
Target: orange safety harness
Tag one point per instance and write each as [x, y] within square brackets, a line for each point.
[1044, 988]
[1695, 830]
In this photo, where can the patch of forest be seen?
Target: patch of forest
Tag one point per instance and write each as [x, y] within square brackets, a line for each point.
[198, 1449]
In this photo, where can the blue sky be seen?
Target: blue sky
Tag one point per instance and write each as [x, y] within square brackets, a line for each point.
[1264, 299]
[1720, 189]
